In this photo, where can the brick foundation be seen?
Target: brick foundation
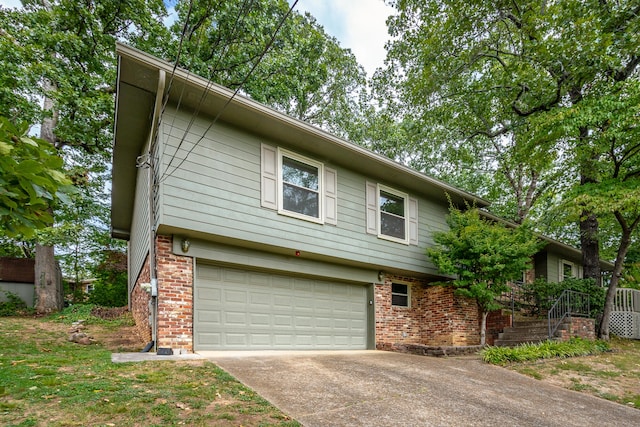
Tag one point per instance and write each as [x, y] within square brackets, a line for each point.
[140, 300]
[578, 327]
[496, 322]
[435, 317]
[175, 297]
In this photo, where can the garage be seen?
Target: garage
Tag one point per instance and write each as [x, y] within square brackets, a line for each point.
[247, 310]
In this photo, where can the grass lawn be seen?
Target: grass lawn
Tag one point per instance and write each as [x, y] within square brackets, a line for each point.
[613, 375]
[45, 380]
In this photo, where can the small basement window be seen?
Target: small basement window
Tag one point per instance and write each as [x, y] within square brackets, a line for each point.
[400, 295]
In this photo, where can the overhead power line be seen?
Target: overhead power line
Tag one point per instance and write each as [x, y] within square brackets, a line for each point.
[224, 107]
[244, 11]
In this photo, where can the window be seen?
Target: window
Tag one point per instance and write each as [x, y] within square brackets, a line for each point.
[391, 214]
[568, 270]
[400, 295]
[297, 186]
[300, 188]
[392, 219]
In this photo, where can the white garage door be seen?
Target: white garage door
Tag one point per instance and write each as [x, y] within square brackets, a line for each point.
[245, 310]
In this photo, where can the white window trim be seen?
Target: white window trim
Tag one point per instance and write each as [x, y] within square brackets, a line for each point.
[408, 295]
[576, 270]
[320, 220]
[405, 198]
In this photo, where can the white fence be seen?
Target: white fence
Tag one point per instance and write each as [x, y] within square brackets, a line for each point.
[625, 316]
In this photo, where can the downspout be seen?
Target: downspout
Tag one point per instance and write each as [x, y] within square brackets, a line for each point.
[153, 276]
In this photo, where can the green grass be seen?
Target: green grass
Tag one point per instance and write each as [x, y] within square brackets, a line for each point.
[608, 370]
[46, 380]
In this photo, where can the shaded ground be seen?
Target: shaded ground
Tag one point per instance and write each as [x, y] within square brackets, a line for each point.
[46, 380]
[125, 338]
[613, 376]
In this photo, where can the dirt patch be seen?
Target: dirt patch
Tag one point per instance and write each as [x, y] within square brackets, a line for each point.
[121, 338]
[109, 313]
[613, 375]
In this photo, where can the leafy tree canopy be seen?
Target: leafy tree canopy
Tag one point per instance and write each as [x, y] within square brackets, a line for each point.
[31, 181]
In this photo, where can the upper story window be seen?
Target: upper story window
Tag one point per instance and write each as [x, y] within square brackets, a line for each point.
[391, 214]
[392, 206]
[298, 186]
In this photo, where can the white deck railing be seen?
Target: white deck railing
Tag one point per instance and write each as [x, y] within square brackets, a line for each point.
[625, 316]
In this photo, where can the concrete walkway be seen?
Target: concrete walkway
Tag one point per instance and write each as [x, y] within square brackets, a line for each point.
[374, 388]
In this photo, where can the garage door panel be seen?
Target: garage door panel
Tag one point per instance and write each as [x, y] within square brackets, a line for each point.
[209, 316]
[209, 294]
[236, 309]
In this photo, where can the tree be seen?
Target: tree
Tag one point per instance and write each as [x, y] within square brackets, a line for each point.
[615, 195]
[63, 52]
[110, 287]
[32, 181]
[492, 69]
[304, 73]
[483, 256]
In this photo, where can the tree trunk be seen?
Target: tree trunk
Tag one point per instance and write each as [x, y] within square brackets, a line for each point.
[589, 239]
[590, 247]
[48, 286]
[483, 328]
[623, 248]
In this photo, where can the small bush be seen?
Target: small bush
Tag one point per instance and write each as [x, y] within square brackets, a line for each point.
[13, 306]
[544, 350]
[545, 293]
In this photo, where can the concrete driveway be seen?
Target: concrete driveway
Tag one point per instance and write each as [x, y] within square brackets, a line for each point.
[375, 388]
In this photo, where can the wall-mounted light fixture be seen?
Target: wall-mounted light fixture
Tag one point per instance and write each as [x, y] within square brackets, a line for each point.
[381, 275]
[185, 245]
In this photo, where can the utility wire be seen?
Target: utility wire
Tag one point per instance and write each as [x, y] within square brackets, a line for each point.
[244, 11]
[224, 107]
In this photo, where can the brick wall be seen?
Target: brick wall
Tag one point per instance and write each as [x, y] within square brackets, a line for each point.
[398, 324]
[452, 320]
[175, 297]
[496, 322]
[579, 327]
[436, 317]
[140, 300]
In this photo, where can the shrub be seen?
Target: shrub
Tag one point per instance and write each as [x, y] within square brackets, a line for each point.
[544, 350]
[13, 306]
[545, 293]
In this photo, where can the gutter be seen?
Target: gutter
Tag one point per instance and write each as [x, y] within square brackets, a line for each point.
[153, 274]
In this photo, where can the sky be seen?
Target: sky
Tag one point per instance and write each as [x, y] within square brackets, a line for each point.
[359, 25]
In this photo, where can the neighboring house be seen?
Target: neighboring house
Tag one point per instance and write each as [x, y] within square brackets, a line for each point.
[17, 276]
[271, 233]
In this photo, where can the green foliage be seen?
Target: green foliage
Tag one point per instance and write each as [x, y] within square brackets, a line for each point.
[305, 73]
[482, 255]
[546, 350]
[13, 306]
[545, 293]
[32, 181]
[111, 285]
[111, 293]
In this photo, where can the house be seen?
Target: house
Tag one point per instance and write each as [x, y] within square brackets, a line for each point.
[260, 231]
[17, 276]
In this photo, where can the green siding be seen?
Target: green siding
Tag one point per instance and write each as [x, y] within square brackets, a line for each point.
[139, 243]
[216, 191]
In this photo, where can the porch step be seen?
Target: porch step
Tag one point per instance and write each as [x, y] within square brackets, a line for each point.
[523, 331]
